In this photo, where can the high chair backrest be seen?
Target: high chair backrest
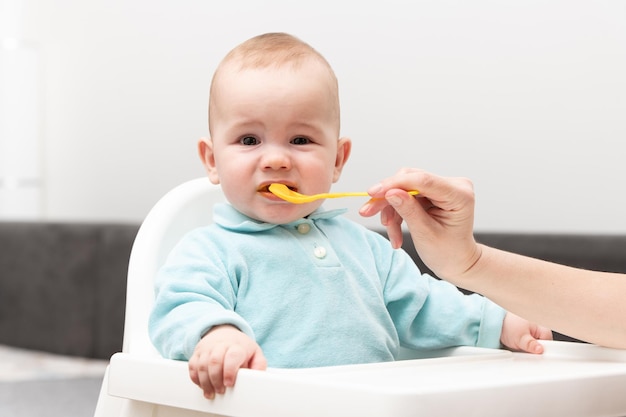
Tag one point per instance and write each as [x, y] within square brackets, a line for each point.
[182, 209]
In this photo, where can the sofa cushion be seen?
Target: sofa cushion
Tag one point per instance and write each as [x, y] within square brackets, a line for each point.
[63, 286]
[596, 252]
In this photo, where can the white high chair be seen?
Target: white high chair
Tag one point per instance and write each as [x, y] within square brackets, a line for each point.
[569, 379]
[184, 208]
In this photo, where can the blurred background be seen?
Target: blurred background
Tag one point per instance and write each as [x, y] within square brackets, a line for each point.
[102, 102]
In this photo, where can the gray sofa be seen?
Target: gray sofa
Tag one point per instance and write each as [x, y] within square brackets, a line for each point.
[62, 285]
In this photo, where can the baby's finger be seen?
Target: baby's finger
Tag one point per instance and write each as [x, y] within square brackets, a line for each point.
[200, 376]
[215, 372]
[529, 344]
[193, 373]
[234, 359]
[207, 387]
[258, 361]
[199, 373]
[543, 333]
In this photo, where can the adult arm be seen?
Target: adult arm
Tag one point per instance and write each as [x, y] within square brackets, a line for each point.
[588, 305]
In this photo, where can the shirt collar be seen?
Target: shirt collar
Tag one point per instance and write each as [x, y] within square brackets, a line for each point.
[229, 218]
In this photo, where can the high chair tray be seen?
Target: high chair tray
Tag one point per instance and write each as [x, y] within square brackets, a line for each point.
[569, 379]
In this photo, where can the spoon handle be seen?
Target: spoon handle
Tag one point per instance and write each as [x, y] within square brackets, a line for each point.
[338, 195]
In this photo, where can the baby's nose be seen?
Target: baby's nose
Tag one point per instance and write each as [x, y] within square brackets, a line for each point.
[277, 159]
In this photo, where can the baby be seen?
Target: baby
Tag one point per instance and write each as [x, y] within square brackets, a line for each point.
[276, 284]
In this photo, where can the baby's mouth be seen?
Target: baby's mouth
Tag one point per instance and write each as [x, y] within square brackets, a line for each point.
[266, 188]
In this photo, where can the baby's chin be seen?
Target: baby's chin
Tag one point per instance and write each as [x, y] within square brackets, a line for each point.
[282, 213]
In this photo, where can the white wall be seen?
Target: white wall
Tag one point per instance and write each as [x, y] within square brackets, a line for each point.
[527, 98]
[20, 162]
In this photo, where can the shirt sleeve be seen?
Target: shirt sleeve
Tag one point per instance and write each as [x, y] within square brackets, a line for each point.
[431, 314]
[193, 293]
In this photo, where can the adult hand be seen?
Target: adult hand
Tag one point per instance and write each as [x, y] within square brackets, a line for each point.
[440, 218]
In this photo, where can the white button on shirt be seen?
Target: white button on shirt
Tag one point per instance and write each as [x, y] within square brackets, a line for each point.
[304, 228]
[319, 252]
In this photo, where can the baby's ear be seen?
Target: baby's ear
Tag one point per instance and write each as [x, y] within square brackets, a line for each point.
[205, 151]
[344, 147]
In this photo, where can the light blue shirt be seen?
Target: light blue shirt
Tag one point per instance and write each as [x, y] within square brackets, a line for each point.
[322, 290]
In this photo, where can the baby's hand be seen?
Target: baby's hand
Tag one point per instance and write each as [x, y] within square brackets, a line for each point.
[521, 335]
[219, 355]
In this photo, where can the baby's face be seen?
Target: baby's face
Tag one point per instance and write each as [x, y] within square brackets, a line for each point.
[275, 125]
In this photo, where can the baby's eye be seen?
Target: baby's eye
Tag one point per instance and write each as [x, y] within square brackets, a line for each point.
[300, 140]
[248, 141]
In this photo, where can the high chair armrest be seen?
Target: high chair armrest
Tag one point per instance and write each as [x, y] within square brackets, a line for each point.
[489, 382]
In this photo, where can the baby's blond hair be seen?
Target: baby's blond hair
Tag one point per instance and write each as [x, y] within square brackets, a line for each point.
[273, 49]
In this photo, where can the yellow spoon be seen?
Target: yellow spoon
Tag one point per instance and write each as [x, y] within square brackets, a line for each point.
[282, 191]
